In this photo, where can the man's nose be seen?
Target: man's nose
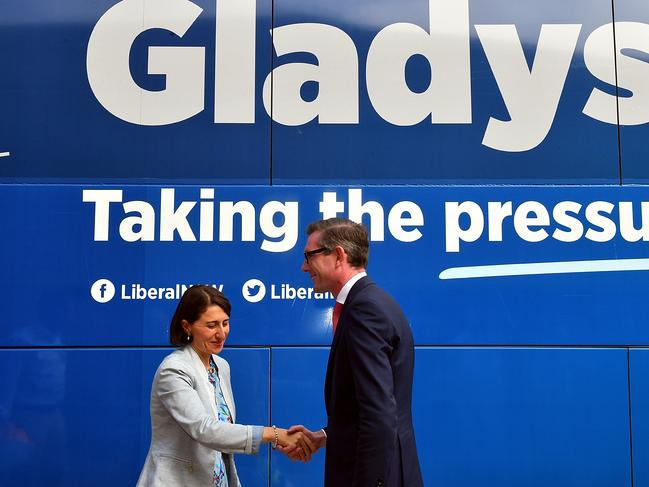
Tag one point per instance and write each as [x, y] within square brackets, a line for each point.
[305, 266]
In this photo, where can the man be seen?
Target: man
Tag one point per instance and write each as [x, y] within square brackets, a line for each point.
[369, 437]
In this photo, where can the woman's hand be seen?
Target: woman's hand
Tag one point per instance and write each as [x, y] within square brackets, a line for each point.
[296, 442]
[299, 444]
[318, 440]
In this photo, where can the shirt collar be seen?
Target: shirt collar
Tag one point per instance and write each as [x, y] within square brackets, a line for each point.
[342, 295]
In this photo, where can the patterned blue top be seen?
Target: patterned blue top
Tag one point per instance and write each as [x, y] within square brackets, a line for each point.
[220, 476]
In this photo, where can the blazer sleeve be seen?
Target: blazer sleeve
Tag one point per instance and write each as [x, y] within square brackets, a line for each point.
[175, 388]
[367, 332]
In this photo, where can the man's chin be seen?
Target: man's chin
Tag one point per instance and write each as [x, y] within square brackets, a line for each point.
[318, 288]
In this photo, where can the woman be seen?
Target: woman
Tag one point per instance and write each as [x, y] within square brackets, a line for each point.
[194, 434]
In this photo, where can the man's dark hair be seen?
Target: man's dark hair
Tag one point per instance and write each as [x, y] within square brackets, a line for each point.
[193, 303]
[351, 236]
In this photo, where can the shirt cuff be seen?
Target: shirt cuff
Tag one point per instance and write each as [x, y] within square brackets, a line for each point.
[257, 434]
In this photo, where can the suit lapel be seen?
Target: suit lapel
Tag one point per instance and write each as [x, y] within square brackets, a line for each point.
[353, 292]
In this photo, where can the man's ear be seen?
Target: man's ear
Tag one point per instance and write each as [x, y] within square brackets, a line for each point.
[341, 255]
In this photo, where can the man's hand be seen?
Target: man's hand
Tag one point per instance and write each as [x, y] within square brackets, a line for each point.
[298, 442]
[316, 438]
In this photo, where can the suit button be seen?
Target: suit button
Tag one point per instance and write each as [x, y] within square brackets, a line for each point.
[379, 483]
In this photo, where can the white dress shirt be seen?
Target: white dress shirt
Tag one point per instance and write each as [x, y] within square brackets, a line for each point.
[342, 295]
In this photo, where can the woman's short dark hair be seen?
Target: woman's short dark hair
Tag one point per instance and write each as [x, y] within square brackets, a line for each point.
[192, 305]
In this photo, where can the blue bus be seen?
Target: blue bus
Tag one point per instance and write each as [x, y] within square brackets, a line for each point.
[496, 151]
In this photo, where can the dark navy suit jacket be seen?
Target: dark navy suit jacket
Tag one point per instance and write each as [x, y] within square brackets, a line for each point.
[368, 394]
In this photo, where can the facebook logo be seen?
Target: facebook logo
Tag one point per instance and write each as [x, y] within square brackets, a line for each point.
[102, 290]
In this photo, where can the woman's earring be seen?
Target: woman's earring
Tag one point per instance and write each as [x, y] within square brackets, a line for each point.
[188, 338]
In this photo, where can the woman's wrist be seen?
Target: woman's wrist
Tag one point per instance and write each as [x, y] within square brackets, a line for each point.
[268, 434]
[272, 435]
[276, 439]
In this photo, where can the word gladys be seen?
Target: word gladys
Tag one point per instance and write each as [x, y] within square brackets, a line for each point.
[531, 94]
[531, 221]
[142, 221]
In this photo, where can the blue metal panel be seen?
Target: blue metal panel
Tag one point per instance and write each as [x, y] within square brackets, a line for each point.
[81, 417]
[533, 417]
[55, 128]
[633, 135]
[297, 376]
[639, 373]
[48, 236]
[251, 387]
[487, 416]
[75, 416]
[577, 148]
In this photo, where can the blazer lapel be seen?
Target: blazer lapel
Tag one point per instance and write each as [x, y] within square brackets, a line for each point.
[353, 292]
[203, 386]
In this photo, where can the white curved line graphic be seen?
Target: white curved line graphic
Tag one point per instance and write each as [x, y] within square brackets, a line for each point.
[535, 268]
[5, 154]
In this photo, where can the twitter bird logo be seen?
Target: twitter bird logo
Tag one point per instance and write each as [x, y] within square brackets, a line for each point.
[253, 290]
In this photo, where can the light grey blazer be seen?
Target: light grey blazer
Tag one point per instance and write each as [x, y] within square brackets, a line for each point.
[185, 429]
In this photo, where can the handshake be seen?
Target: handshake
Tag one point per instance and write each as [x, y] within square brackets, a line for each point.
[297, 442]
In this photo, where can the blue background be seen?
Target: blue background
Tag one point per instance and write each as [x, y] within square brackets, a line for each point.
[531, 380]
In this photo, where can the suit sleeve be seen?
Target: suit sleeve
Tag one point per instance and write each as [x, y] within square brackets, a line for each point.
[369, 348]
[174, 387]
